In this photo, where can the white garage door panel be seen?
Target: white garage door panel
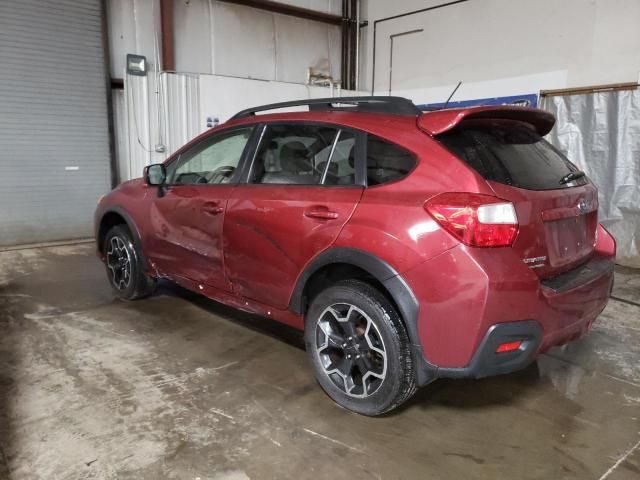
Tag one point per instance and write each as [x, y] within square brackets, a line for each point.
[54, 144]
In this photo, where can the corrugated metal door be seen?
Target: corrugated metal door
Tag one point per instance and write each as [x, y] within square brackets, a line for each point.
[54, 139]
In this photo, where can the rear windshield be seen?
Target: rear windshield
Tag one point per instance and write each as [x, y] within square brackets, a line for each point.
[512, 154]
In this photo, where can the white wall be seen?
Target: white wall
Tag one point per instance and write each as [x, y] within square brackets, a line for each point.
[502, 47]
[222, 97]
[133, 27]
[229, 57]
[226, 39]
[184, 103]
[214, 37]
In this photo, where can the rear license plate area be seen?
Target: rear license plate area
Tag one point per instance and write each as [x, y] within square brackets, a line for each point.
[567, 240]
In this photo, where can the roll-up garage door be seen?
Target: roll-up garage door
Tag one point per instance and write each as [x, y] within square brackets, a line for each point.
[54, 139]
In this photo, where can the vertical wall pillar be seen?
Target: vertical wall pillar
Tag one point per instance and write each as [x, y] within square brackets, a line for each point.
[168, 43]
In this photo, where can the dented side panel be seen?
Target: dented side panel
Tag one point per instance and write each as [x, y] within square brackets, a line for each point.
[269, 237]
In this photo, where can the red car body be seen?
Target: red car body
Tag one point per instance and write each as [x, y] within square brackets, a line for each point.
[256, 246]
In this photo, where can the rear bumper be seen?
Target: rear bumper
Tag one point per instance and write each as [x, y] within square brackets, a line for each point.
[472, 299]
[486, 362]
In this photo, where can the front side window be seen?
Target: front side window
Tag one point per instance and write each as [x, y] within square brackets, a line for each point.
[213, 161]
[305, 155]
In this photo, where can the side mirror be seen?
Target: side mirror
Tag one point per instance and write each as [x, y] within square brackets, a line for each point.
[155, 175]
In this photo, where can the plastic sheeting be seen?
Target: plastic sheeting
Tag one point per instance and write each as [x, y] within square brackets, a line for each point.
[600, 133]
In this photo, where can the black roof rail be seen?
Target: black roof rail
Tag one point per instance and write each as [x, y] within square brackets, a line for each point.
[376, 104]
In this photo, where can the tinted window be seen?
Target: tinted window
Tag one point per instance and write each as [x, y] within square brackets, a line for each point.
[386, 162]
[510, 154]
[213, 161]
[302, 155]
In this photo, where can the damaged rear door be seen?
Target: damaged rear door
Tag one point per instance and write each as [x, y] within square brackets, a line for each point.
[300, 191]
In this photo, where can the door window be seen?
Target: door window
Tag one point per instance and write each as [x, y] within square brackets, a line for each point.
[212, 161]
[305, 155]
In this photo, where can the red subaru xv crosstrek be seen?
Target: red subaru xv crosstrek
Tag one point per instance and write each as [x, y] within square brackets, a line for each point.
[408, 246]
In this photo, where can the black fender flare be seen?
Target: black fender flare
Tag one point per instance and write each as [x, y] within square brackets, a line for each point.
[131, 225]
[392, 281]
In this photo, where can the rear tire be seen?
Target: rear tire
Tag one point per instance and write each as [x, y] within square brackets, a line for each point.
[125, 269]
[359, 348]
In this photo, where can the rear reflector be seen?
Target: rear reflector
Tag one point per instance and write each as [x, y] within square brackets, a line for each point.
[476, 220]
[509, 347]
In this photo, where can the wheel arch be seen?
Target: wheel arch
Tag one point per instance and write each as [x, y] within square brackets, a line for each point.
[361, 260]
[385, 276]
[111, 217]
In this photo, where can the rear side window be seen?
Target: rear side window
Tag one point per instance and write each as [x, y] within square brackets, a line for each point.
[511, 154]
[387, 162]
[300, 154]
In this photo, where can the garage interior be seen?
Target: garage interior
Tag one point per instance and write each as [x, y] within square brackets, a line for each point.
[178, 386]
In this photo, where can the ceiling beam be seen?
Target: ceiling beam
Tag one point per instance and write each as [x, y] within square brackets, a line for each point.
[290, 10]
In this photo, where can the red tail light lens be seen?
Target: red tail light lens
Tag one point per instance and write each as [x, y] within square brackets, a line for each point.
[476, 220]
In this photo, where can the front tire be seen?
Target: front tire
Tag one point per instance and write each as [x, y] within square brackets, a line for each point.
[359, 348]
[125, 268]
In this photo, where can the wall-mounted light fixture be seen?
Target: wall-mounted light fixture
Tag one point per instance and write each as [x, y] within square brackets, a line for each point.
[136, 65]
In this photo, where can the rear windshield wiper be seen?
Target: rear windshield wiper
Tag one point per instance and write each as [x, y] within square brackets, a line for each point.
[571, 176]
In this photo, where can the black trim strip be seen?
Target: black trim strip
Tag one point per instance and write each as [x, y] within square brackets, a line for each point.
[585, 273]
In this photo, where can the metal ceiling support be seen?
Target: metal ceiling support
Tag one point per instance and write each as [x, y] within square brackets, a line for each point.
[357, 59]
[291, 10]
[613, 87]
[353, 43]
[344, 44]
[350, 29]
[168, 42]
[113, 161]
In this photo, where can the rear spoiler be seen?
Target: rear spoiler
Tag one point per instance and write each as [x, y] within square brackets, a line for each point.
[440, 121]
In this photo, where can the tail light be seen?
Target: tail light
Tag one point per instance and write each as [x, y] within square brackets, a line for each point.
[476, 220]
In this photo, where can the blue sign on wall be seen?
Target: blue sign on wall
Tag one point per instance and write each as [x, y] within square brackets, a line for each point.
[526, 100]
